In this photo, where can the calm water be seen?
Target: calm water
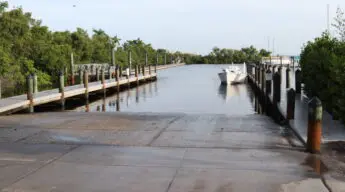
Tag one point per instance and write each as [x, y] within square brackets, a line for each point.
[187, 89]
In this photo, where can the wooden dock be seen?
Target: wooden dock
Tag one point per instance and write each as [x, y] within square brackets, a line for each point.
[20, 102]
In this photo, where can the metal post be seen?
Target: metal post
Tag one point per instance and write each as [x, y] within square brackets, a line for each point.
[30, 91]
[35, 83]
[62, 89]
[298, 81]
[287, 77]
[276, 87]
[290, 108]
[314, 125]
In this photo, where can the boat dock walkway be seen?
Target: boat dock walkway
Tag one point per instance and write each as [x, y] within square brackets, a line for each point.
[20, 102]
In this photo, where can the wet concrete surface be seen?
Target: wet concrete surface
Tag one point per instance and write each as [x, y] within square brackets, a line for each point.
[157, 152]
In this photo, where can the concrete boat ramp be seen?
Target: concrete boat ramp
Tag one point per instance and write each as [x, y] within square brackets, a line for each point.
[81, 152]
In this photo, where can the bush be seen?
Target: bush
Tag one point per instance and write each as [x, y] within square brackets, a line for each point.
[323, 70]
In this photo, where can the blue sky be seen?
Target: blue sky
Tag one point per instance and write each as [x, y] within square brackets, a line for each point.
[193, 26]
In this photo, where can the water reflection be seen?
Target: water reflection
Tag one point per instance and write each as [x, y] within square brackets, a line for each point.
[103, 104]
[137, 94]
[228, 91]
[176, 90]
[118, 102]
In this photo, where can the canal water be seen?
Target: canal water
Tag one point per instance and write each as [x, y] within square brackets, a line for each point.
[186, 89]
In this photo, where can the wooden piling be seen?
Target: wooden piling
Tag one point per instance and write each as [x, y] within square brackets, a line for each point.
[35, 83]
[109, 72]
[103, 78]
[120, 71]
[30, 91]
[130, 62]
[157, 60]
[314, 125]
[86, 84]
[136, 74]
[263, 79]
[259, 75]
[72, 70]
[298, 81]
[287, 76]
[80, 75]
[117, 76]
[62, 89]
[268, 82]
[144, 66]
[276, 87]
[280, 68]
[97, 74]
[113, 62]
[290, 108]
[165, 58]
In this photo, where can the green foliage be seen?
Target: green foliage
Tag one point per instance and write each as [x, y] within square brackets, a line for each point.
[323, 61]
[28, 47]
[225, 56]
[339, 24]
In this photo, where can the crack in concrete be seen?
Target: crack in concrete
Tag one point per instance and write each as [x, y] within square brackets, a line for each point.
[163, 129]
[44, 165]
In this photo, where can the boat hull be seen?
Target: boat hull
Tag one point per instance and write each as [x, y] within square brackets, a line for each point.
[232, 78]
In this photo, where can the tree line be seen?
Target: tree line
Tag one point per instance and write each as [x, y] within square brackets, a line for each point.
[224, 56]
[323, 61]
[27, 46]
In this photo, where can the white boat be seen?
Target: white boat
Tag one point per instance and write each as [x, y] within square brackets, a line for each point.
[233, 75]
